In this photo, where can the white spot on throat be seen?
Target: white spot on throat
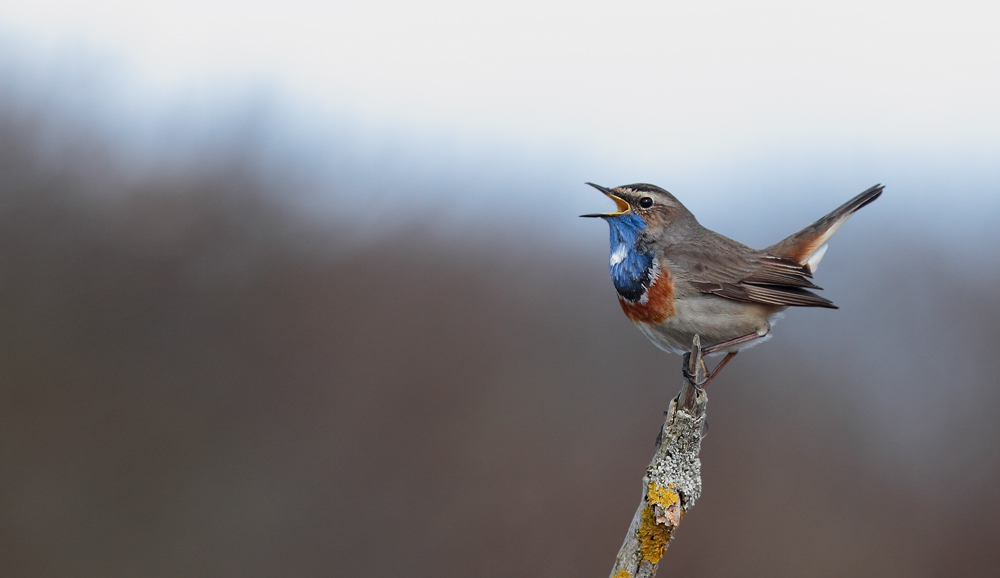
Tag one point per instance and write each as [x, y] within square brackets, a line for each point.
[618, 255]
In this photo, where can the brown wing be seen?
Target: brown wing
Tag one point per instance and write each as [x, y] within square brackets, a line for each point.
[766, 294]
[718, 265]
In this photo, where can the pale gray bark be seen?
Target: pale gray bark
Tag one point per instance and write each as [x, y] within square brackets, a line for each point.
[672, 482]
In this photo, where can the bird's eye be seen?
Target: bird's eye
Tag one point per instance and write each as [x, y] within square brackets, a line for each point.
[646, 202]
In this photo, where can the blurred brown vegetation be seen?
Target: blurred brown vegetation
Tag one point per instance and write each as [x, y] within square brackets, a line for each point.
[194, 381]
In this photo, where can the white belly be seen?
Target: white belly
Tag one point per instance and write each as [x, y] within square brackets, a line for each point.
[715, 320]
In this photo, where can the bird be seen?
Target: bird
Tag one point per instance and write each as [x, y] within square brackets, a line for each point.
[676, 279]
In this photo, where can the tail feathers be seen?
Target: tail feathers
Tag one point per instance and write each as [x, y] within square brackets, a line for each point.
[808, 246]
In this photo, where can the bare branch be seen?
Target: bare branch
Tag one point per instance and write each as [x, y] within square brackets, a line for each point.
[672, 482]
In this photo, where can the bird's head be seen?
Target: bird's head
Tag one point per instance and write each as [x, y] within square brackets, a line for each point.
[642, 206]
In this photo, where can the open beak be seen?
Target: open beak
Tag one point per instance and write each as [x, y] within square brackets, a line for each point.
[620, 203]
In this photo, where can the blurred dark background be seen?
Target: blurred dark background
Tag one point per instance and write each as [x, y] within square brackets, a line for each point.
[199, 378]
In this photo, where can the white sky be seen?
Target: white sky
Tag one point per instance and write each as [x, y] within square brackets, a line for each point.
[634, 80]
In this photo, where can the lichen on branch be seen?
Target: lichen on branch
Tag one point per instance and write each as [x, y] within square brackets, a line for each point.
[672, 483]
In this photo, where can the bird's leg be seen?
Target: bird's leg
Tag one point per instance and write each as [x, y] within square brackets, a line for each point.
[731, 342]
[730, 355]
[719, 367]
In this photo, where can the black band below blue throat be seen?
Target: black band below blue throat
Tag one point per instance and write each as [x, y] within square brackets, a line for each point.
[633, 276]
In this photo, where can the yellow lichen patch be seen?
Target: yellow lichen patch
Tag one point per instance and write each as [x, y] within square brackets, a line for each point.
[623, 573]
[653, 537]
[660, 496]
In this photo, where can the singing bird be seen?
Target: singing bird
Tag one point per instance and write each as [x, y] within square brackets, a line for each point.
[676, 279]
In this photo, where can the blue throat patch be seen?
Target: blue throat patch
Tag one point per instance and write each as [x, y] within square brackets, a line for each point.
[630, 269]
